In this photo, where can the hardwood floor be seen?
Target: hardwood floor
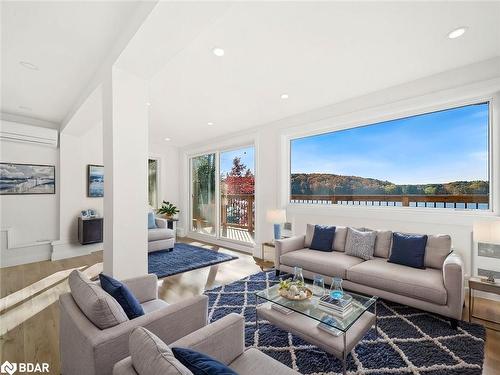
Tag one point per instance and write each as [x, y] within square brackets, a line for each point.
[29, 313]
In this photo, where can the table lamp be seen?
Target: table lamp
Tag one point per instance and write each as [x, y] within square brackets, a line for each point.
[276, 217]
[487, 236]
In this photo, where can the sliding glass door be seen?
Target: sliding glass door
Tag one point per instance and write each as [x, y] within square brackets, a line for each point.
[203, 194]
[237, 194]
[223, 194]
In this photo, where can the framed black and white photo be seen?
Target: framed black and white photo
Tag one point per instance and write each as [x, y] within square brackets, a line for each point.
[95, 181]
[21, 179]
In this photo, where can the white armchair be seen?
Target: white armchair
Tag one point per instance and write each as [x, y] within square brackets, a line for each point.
[161, 237]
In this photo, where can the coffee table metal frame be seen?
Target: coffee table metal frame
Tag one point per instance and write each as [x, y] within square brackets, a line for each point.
[369, 301]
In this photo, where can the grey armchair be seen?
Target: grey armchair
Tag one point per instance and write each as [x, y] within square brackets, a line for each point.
[87, 350]
[161, 237]
[223, 340]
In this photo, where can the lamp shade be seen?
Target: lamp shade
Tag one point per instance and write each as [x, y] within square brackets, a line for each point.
[487, 232]
[276, 216]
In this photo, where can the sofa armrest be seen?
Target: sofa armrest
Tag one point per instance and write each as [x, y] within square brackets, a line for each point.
[144, 288]
[168, 323]
[223, 340]
[453, 278]
[160, 223]
[286, 245]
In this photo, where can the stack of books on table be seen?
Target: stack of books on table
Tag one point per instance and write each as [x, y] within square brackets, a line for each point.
[281, 309]
[336, 307]
[326, 326]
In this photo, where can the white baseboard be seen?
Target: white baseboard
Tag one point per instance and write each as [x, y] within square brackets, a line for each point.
[63, 249]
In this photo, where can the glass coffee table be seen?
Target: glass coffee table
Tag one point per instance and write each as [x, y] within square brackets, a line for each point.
[337, 335]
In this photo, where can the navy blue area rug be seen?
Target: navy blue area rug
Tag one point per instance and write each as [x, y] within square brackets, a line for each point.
[183, 258]
[410, 341]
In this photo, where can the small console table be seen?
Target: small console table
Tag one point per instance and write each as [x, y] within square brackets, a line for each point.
[476, 283]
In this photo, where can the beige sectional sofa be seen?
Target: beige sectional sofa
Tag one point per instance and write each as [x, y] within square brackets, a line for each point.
[438, 288]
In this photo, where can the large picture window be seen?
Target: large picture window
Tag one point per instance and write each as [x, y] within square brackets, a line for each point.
[437, 160]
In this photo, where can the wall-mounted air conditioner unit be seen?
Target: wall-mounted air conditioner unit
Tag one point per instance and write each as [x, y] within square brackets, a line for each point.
[17, 132]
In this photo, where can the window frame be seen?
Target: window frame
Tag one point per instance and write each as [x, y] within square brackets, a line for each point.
[386, 113]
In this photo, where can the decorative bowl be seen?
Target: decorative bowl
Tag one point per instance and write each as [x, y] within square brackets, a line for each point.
[284, 293]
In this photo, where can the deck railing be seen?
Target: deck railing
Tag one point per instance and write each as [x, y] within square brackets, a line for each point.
[237, 210]
[479, 201]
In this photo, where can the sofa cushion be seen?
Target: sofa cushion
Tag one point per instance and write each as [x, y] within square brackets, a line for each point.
[122, 294]
[253, 361]
[338, 240]
[328, 264]
[153, 305]
[437, 249]
[340, 237]
[360, 244]
[424, 284]
[97, 305]
[408, 249]
[200, 363]
[323, 238]
[382, 242]
[160, 234]
[151, 356]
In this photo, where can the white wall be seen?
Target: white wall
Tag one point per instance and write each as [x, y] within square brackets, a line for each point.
[78, 151]
[465, 84]
[31, 219]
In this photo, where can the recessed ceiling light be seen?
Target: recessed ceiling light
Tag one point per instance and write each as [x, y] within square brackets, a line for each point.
[24, 108]
[217, 51]
[148, 104]
[284, 96]
[457, 32]
[210, 123]
[167, 139]
[28, 65]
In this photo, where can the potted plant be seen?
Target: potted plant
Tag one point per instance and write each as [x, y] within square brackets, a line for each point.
[168, 210]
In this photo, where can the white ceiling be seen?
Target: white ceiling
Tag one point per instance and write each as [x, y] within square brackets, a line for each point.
[319, 53]
[67, 40]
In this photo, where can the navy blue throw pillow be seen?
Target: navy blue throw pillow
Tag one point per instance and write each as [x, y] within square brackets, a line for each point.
[122, 295]
[408, 249]
[201, 364]
[323, 238]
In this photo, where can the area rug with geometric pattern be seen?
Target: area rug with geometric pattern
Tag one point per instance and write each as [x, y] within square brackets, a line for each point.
[410, 341]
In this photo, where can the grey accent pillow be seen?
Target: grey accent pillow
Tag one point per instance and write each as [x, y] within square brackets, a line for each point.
[151, 356]
[437, 249]
[360, 244]
[97, 305]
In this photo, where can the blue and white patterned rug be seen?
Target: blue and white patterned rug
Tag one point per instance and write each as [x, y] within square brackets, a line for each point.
[410, 341]
[183, 257]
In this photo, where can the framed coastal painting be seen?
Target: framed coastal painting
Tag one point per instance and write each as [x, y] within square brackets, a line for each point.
[95, 181]
[21, 179]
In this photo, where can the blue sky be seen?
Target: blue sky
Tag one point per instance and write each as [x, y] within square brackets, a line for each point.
[246, 154]
[433, 148]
